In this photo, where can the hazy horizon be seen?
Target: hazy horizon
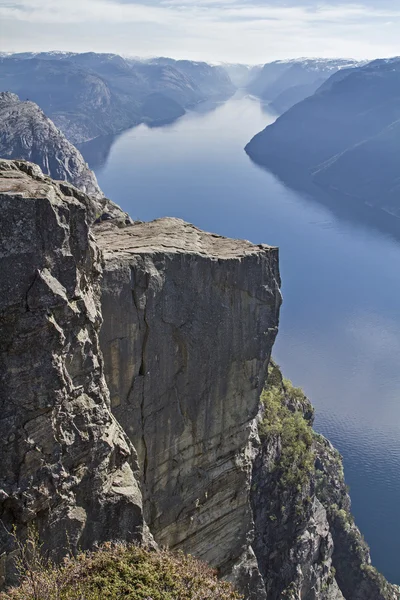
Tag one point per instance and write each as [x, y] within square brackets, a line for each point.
[235, 31]
[211, 62]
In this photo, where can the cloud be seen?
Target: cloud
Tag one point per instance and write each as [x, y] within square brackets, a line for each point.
[72, 11]
[210, 29]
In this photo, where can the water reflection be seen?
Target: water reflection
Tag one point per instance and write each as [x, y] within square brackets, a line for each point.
[343, 207]
[96, 151]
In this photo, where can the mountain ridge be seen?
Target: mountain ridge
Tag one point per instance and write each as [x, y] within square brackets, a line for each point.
[344, 137]
[89, 94]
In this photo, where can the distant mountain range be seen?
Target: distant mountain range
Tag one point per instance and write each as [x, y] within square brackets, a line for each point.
[283, 83]
[345, 137]
[90, 94]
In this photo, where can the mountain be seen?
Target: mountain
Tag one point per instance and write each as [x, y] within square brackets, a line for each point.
[346, 136]
[368, 171]
[90, 94]
[26, 133]
[212, 81]
[283, 83]
[78, 101]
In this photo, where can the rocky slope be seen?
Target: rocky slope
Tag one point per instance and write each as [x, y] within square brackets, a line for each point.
[345, 137]
[26, 133]
[189, 323]
[67, 465]
[89, 95]
[283, 83]
[213, 81]
[306, 542]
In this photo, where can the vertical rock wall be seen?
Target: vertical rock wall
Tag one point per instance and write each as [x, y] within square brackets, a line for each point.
[189, 323]
[66, 465]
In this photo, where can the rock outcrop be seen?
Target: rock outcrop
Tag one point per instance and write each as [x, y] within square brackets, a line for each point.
[66, 464]
[26, 133]
[189, 323]
[306, 543]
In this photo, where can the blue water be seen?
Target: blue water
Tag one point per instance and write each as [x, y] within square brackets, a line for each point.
[340, 323]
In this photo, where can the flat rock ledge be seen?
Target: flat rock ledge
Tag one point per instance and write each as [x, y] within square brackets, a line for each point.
[172, 236]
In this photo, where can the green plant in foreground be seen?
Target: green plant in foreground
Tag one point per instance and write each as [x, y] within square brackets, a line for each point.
[118, 571]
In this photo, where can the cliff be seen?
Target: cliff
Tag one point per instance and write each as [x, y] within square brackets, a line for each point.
[67, 465]
[306, 542]
[26, 133]
[159, 423]
[189, 323]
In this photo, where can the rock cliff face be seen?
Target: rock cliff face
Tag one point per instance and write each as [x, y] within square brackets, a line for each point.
[189, 323]
[66, 463]
[26, 133]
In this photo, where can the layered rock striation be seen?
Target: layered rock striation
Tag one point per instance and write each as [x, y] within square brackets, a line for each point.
[189, 323]
[66, 464]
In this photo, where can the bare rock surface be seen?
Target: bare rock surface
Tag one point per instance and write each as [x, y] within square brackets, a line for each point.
[28, 181]
[189, 323]
[66, 464]
[26, 133]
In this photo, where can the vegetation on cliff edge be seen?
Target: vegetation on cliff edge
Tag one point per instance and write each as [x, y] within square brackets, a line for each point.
[287, 417]
[118, 571]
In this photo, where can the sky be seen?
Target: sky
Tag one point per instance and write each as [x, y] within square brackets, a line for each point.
[246, 31]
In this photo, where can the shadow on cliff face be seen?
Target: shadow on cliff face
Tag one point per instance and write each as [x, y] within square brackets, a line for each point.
[345, 208]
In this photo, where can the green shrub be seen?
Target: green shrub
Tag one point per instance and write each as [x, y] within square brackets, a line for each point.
[282, 419]
[118, 571]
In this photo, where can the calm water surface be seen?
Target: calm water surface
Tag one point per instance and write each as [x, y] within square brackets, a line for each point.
[340, 323]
